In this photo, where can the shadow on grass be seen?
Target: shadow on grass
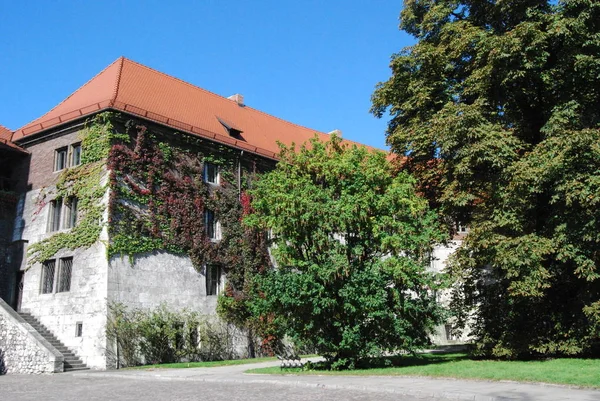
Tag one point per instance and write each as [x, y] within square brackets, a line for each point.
[398, 361]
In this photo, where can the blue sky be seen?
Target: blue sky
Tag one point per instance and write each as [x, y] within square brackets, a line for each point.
[314, 63]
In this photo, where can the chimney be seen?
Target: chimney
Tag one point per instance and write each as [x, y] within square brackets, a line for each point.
[336, 132]
[239, 99]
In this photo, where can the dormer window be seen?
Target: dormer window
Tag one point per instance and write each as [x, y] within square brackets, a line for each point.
[211, 173]
[231, 129]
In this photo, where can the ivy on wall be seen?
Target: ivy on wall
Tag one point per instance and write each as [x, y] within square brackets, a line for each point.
[157, 198]
[86, 183]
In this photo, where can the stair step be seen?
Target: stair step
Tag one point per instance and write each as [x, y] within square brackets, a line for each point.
[73, 369]
[71, 360]
[72, 364]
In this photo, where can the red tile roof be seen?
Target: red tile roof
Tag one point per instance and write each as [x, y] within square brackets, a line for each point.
[136, 89]
[5, 138]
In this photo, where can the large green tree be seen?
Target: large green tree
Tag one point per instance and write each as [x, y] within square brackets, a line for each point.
[351, 243]
[497, 108]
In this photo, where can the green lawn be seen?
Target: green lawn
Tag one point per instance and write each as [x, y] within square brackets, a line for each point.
[183, 365]
[579, 372]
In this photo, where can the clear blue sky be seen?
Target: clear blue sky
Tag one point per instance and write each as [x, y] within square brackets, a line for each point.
[311, 62]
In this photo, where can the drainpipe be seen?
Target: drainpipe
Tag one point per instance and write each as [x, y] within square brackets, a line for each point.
[240, 175]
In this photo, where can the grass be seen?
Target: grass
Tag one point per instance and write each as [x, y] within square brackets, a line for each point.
[211, 364]
[570, 371]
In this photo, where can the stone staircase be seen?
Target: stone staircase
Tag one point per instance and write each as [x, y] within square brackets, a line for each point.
[72, 362]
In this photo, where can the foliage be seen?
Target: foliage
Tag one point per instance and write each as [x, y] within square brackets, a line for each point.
[505, 96]
[158, 203]
[162, 335]
[85, 182]
[352, 243]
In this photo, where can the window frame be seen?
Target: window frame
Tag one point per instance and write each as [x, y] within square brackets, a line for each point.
[55, 215]
[48, 267]
[67, 156]
[213, 279]
[53, 273]
[61, 158]
[212, 226]
[211, 179]
[65, 267]
[70, 212]
[74, 149]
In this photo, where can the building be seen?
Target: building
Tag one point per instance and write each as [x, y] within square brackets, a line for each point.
[56, 265]
[62, 182]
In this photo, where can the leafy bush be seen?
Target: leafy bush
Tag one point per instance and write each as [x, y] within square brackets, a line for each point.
[163, 335]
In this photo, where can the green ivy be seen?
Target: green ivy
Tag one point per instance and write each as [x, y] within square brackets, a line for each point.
[84, 182]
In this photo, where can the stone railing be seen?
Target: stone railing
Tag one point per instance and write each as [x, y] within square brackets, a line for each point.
[22, 348]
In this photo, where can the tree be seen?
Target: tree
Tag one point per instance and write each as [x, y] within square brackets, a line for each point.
[505, 97]
[351, 243]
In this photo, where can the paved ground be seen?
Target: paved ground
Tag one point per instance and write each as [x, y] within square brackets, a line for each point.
[229, 383]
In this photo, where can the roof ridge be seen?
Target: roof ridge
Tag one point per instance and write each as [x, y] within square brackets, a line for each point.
[217, 95]
[118, 81]
[68, 97]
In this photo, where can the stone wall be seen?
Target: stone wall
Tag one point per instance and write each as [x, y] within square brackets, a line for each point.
[22, 349]
[85, 302]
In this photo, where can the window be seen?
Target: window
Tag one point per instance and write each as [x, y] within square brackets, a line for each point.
[64, 275]
[461, 228]
[211, 225]
[56, 280]
[70, 212]
[62, 214]
[54, 222]
[213, 279]
[60, 159]
[48, 276]
[75, 159]
[68, 156]
[78, 329]
[211, 173]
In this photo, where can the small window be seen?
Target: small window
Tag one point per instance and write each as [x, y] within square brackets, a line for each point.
[64, 274]
[75, 155]
[461, 228]
[60, 159]
[55, 214]
[71, 212]
[78, 329]
[211, 225]
[211, 173]
[213, 279]
[48, 276]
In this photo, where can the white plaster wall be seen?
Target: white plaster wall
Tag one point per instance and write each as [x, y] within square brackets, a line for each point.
[156, 278]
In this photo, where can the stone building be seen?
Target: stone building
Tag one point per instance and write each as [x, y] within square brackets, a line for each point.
[68, 290]
[54, 265]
